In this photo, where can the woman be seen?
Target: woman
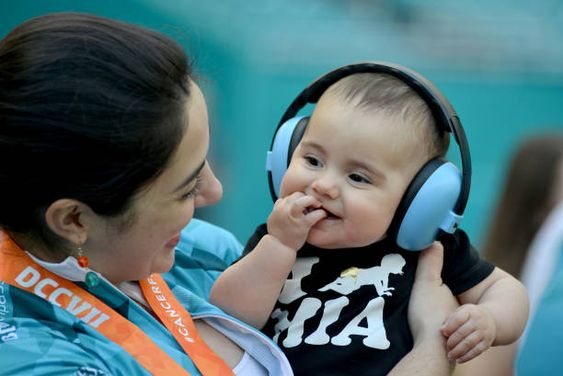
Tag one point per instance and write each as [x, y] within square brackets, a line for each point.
[103, 137]
[532, 188]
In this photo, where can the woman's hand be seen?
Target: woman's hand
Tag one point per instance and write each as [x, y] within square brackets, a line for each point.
[431, 301]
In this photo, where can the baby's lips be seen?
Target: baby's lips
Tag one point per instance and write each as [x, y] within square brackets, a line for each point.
[309, 209]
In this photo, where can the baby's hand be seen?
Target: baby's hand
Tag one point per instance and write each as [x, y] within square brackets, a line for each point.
[292, 218]
[469, 330]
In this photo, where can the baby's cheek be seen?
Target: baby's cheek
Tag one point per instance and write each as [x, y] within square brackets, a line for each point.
[283, 188]
[287, 188]
[293, 181]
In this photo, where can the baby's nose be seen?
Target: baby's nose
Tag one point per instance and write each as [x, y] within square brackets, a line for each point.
[326, 186]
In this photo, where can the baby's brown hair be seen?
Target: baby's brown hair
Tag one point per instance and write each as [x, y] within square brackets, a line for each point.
[391, 96]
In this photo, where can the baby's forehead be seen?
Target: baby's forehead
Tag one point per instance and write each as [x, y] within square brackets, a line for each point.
[378, 144]
[366, 126]
[401, 132]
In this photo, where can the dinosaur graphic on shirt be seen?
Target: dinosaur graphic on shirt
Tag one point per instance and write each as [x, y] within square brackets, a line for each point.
[350, 280]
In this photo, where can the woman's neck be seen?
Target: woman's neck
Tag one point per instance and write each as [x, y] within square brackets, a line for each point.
[42, 252]
[37, 248]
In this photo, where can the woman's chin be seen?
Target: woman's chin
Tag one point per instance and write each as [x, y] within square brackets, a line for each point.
[165, 263]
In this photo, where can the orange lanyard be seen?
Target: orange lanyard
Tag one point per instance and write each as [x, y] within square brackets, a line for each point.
[20, 271]
[179, 322]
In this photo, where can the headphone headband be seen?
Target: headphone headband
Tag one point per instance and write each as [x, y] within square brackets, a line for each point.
[442, 111]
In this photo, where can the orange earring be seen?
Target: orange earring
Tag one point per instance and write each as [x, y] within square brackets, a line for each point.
[92, 280]
[83, 260]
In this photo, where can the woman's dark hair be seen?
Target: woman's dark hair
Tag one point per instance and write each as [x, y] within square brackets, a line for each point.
[90, 109]
[525, 201]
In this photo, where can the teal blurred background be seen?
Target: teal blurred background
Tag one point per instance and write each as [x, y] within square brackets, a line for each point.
[499, 62]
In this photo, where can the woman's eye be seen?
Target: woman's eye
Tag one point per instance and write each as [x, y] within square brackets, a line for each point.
[357, 178]
[312, 161]
[192, 192]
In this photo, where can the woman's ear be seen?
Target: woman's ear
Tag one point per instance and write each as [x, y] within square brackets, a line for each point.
[67, 218]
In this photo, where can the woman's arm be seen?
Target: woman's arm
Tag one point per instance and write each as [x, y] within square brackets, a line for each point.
[431, 302]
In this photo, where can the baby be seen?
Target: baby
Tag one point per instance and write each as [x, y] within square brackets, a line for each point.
[343, 308]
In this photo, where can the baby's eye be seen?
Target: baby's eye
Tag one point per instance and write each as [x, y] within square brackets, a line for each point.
[357, 178]
[312, 161]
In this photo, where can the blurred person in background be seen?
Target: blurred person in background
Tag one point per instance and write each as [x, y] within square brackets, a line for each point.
[525, 239]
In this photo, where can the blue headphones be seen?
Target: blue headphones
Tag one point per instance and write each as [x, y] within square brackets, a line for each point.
[435, 199]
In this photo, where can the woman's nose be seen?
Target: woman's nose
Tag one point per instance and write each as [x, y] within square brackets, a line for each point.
[325, 186]
[211, 190]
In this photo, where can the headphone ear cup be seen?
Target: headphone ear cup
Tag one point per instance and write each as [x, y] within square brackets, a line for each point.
[285, 141]
[426, 206]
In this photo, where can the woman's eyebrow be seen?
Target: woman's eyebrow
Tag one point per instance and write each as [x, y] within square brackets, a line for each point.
[190, 178]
